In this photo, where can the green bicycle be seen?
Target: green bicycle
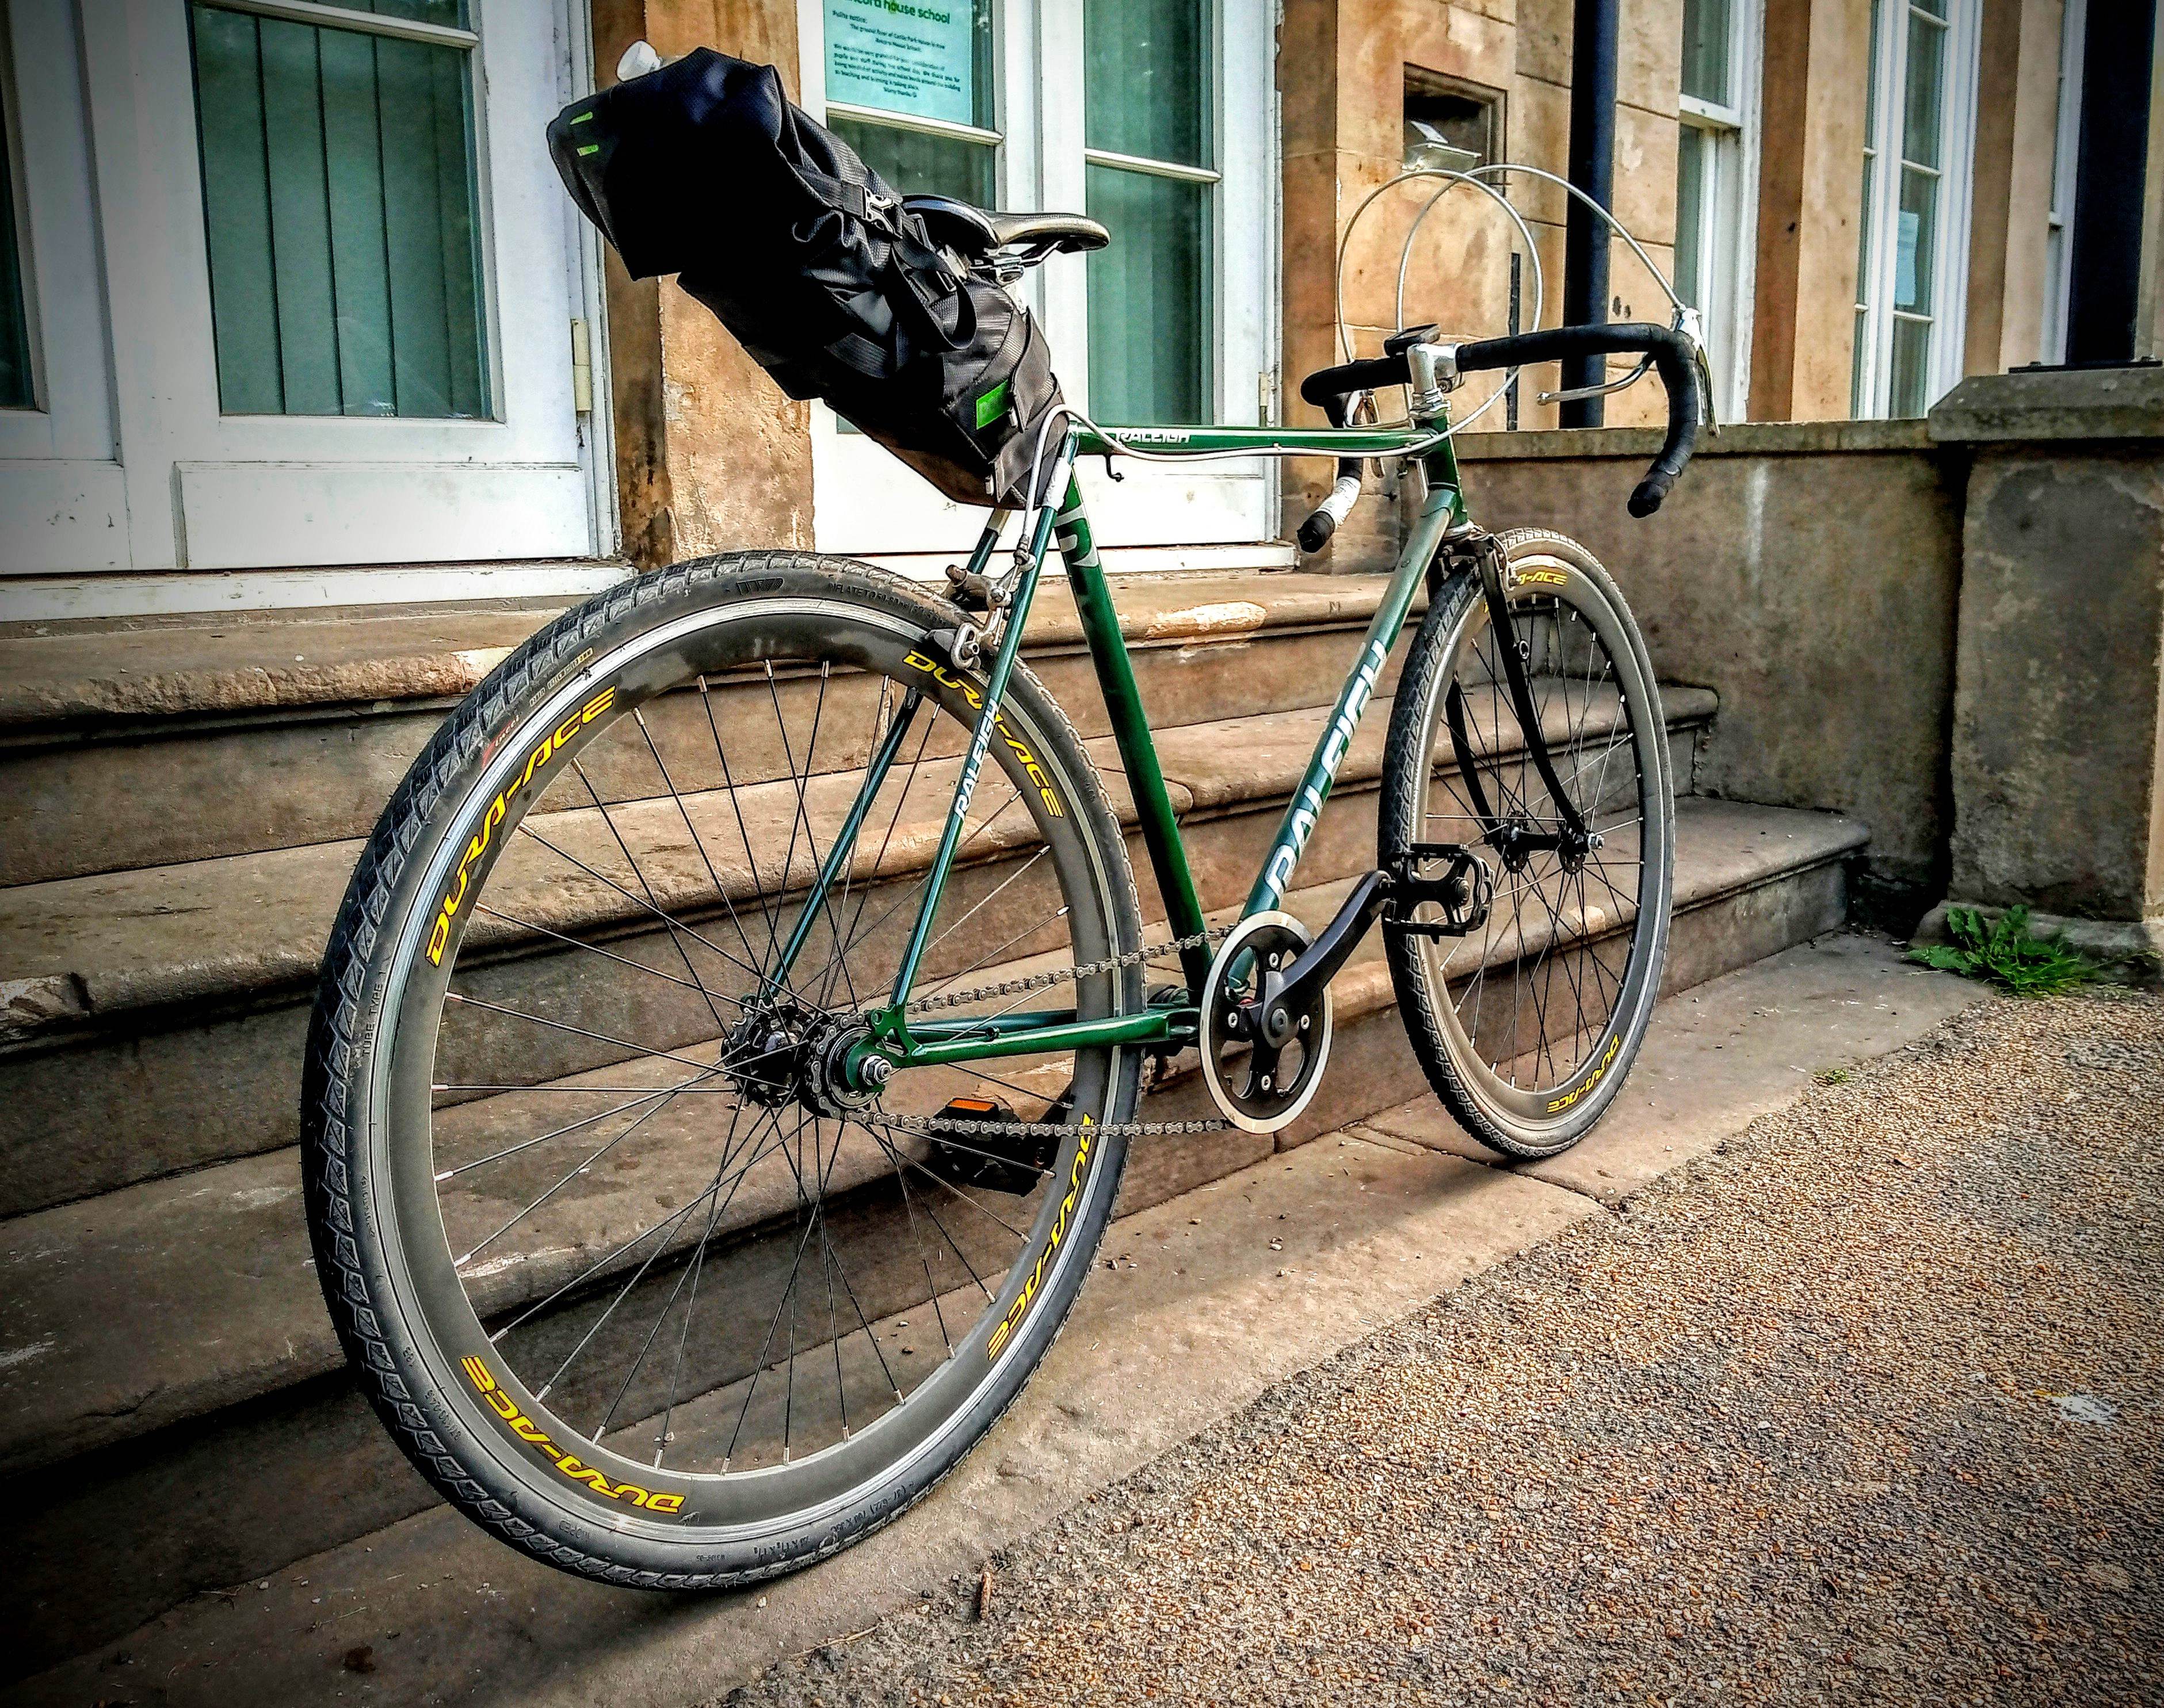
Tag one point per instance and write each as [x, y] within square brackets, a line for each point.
[729, 1046]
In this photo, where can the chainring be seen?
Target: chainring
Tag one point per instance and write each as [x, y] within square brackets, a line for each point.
[1260, 1085]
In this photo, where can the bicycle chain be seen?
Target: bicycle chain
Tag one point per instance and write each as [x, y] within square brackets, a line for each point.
[933, 1127]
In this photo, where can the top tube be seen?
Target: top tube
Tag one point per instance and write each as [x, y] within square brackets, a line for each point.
[1258, 441]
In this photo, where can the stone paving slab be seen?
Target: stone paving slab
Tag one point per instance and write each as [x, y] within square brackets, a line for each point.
[1196, 1314]
[1723, 1054]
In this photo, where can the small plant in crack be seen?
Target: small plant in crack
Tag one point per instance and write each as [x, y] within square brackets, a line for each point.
[2007, 953]
[1832, 1075]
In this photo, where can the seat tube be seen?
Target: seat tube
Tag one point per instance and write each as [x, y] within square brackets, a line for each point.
[1123, 702]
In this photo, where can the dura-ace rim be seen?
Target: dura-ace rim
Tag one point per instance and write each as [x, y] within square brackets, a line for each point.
[526, 1420]
[1575, 949]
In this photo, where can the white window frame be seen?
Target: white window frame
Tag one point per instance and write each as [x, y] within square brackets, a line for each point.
[2066, 151]
[198, 489]
[1874, 312]
[865, 501]
[1728, 227]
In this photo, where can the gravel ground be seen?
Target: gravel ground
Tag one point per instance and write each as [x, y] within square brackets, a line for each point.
[1867, 1407]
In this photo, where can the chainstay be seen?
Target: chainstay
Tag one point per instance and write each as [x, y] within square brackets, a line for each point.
[932, 1126]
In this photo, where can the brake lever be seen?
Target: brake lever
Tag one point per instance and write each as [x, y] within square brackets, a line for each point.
[1644, 367]
[1691, 328]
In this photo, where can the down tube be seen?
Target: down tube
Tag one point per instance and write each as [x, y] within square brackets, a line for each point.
[1337, 740]
[1123, 702]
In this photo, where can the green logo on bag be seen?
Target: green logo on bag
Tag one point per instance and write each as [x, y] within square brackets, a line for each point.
[990, 406]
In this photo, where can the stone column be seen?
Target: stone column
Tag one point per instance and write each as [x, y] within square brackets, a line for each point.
[2059, 662]
[710, 455]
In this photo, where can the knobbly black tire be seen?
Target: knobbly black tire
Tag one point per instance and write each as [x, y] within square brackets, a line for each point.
[1410, 742]
[377, 1340]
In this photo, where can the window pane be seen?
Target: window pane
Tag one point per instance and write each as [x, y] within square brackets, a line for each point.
[1863, 224]
[452, 13]
[933, 62]
[339, 199]
[1694, 149]
[1912, 364]
[1705, 51]
[1915, 237]
[17, 388]
[1147, 303]
[1145, 79]
[1859, 405]
[917, 164]
[1919, 117]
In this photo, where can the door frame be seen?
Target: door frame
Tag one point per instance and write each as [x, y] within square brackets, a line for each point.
[168, 442]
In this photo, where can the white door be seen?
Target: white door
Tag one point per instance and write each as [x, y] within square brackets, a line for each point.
[1156, 116]
[340, 281]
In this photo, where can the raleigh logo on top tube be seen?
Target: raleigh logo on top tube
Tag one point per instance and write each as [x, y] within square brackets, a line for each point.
[1308, 805]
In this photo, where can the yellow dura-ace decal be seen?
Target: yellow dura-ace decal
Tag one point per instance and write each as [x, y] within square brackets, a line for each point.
[534, 1436]
[1027, 1297]
[552, 744]
[1557, 1105]
[1539, 575]
[969, 691]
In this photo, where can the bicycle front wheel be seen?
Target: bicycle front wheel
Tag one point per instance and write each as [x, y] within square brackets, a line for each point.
[628, 1278]
[1528, 1014]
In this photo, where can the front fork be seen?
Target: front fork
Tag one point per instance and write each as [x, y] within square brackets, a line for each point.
[1515, 655]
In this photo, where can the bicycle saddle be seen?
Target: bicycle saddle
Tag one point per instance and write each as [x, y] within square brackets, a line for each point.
[973, 234]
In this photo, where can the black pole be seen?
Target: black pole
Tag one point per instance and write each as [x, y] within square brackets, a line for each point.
[1592, 170]
[2104, 284]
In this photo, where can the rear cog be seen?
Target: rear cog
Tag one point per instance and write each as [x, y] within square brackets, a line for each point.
[1261, 1083]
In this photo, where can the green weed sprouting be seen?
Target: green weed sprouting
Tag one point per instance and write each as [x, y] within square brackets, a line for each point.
[2007, 954]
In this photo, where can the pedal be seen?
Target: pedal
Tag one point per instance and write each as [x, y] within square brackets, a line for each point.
[992, 1161]
[1465, 893]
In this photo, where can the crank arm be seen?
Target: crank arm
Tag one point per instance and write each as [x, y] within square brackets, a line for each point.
[1294, 990]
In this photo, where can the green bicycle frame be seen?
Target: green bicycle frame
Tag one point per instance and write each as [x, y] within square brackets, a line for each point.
[922, 1042]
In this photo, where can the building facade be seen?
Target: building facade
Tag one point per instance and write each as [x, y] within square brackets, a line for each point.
[293, 311]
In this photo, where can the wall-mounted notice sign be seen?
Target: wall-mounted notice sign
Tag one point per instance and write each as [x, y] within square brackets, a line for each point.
[915, 57]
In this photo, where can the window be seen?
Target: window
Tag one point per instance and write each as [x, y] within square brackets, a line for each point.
[1449, 125]
[910, 90]
[18, 384]
[1716, 183]
[1913, 237]
[341, 207]
[1148, 142]
[1156, 116]
[2066, 152]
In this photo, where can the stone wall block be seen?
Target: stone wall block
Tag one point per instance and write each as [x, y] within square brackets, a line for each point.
[2055, 711]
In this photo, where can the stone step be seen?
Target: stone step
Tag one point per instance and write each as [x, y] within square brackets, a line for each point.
[162, 1335]
[185, 1289]
[146, 744]
[152, 1020]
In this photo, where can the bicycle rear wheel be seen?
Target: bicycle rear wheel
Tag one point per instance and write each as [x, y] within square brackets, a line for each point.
[625, 1277]
[1527, 1023]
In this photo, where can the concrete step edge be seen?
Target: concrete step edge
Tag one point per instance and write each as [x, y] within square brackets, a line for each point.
[54, 682]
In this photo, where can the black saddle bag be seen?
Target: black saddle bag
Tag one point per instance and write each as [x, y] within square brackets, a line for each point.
[704, 169]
